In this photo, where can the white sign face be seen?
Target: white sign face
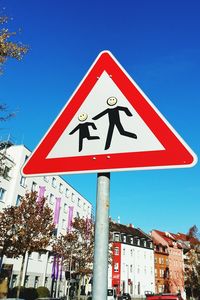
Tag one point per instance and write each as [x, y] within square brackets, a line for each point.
[94, 104]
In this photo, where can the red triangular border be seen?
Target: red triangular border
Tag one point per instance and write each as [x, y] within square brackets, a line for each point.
[176, 154]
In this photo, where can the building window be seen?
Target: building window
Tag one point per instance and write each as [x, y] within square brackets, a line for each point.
[116, 238]
[138, 242]
[145, 243]
[6, 172]
[39, 256]
[23, 181]
[131, 240]
[61, 188]
[131, 252]
[84, 206]
[67, 193]
[34, 186]
[161, 273]
[63, 224]
[46, 281]
[116, 251]
[46, 178]
[51, 199]
[116, 267]
[2, 194]
[131, 268]
[14, 281]
[19, 199]
[53, 183]
[73, 197]
[77, 214]
[26, 280]
[123, 251]
[65, 208]
[79, 202]
[36, 283]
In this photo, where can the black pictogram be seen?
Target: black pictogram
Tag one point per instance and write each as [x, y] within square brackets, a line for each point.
[114, 120]
[84, 130]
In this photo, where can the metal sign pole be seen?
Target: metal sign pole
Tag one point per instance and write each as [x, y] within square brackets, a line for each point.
[100, 271]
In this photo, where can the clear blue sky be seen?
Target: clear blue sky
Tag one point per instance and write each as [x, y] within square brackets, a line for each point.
[158, 43]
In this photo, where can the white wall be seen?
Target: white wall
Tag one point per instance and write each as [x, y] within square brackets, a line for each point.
[137, 264]
[38, 265]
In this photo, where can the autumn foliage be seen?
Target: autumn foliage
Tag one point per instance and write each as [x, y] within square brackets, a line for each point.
[27, 227]
[9, 48]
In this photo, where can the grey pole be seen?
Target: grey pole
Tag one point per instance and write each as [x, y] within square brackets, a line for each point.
[100, 268]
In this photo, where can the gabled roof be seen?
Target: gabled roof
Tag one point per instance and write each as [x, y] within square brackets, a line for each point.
[186, 238]
[170, 238]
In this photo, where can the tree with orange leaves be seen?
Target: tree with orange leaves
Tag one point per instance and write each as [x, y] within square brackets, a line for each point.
[25, 228]
[9, 48]
[76, 248]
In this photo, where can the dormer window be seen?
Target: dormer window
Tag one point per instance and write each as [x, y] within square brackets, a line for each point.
[116, 237]
[124, 239]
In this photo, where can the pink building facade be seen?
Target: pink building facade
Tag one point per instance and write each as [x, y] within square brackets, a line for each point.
[176, 260]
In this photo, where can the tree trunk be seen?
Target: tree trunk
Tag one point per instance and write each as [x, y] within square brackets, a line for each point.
[20, 277]
[70, 269]
[79, 287]
[1, 261]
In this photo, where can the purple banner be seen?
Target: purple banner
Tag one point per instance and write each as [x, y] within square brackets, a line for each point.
[61, 265]
[70, 217]
[53, 268]
[57, 268]
[57, 211]
[42, 190]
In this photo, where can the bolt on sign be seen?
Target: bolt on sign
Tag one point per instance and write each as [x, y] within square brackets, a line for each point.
[108, 124]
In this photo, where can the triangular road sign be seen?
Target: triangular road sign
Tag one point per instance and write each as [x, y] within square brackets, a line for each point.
[108, 124]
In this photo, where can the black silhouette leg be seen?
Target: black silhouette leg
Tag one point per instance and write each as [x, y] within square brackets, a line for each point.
[109, 136]
[80, 143]
[126, 133]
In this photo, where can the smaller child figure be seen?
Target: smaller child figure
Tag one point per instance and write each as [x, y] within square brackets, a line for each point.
[83, 128]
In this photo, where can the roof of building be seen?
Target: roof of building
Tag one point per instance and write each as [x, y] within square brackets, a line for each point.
[186, 240]
[129, 230]
[170, 238]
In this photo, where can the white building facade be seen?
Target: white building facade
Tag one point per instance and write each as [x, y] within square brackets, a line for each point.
[60, 196]
[132, 270]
